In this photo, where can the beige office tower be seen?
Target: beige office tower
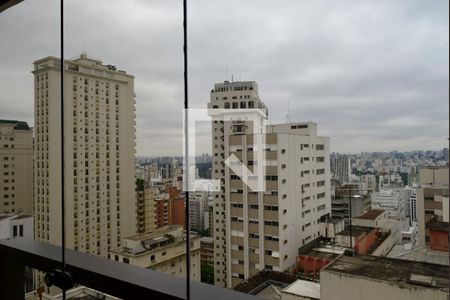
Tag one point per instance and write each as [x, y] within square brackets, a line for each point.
[99, 150]
[16, 167]
[263, 230]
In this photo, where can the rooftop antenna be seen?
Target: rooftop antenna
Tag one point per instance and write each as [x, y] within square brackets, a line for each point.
[232, 79]
[288, 118]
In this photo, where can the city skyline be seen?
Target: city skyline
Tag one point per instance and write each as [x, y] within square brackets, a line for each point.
[375, 81]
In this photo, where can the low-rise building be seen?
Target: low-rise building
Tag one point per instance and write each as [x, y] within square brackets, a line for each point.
[315, 255]
[330, 227]
[372, 218]
[301, 290]
[374, 278]
[360, 238]
[163, 250]
[430, 210]
[207, 250]
[16, 226]
[16, 167]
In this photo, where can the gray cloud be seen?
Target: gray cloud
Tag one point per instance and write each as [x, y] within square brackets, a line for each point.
[372, 74]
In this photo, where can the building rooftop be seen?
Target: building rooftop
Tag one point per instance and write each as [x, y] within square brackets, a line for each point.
[438, 226]
[157, 240]
[304, 288]
[356, 230]
[206, 239]
[155, 233]
[422, 254]
[14, 216]
[371, 214]
[256, 284]
[397, 271]
[18, 125]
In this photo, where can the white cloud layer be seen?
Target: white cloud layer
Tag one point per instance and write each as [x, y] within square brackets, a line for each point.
[372, 74]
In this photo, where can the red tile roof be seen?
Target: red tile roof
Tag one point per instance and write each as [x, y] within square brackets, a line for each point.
[371, 214]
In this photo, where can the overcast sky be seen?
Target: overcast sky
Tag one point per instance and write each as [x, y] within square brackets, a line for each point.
[372, 74]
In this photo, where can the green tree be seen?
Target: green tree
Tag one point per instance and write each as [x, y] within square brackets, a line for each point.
[140, 184]
[207, 273]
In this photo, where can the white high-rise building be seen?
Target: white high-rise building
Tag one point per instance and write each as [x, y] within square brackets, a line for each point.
[99, 148]
[16, 167]
[412, 206]
[225, 95]
[263, 230]
[198, 205]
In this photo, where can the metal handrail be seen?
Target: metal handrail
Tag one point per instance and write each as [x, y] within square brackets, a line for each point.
[114, 278]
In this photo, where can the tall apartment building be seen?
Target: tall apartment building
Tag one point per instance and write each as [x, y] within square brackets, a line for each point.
[145, 209]
[263, 230]
[99, 147]
[342, 168]
[16, 167]
[224, 96]
[198, 205]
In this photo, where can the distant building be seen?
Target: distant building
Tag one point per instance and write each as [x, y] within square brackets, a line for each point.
[162, 210]
[340, 202]
[372, 218]
[342, 168]
[16, 226]
[432, 223]
[389, 200]
[145, 206]
[207, 250]
[169, 207]
[163, 250]
[445, 154]
[370, 181]
[177, 207]
[198, 205]
[16, 167]
[412, 206]
[433, 175]
[390, 181]
[374, 278]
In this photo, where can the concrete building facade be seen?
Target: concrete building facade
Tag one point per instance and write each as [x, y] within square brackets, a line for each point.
[99, 148]
[374, 278]
[227, 95]
[430, 199]
[163, 250]
[342, 168]
[16, 226]
[16, 167]
[198, 205]
[263, 230]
